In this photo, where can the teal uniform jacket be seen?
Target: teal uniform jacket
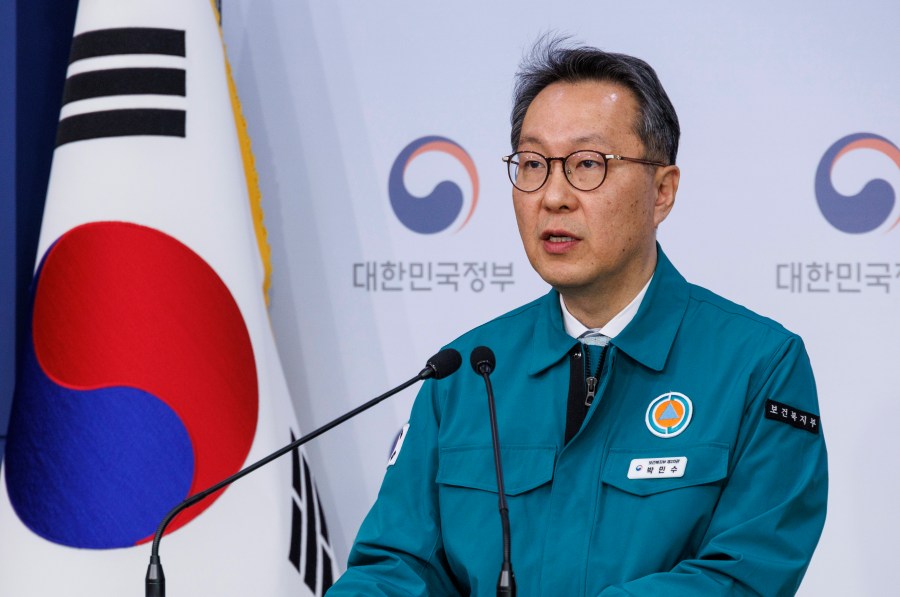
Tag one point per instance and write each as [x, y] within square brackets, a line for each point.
[734, 409]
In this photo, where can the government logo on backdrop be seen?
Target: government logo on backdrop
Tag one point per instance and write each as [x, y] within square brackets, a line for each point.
[426, 202]
[869, 209]
[872, 208]
[444, 204]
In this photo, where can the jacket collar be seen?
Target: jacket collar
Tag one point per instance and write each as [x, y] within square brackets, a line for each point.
[647, 339]
[550, 342]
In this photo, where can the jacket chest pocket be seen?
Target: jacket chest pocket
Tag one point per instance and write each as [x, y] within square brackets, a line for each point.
[468, 507]
[524, 467]
[651, 505]
[467, 485]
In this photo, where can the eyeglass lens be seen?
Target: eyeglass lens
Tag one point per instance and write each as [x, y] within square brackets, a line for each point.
[585, 170]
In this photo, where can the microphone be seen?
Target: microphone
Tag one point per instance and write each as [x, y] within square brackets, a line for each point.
[444, 363]
[483, 361]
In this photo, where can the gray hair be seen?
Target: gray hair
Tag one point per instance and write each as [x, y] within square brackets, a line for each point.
[551, 61]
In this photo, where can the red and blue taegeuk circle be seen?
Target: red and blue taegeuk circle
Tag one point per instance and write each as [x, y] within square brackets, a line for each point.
[137, 388]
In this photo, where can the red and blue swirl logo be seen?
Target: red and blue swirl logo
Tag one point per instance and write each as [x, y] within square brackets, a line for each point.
[438, 210]
[873, 205]
[138, 388]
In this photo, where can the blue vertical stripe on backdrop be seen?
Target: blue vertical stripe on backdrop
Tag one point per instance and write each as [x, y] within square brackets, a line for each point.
[7, 210]
[35, 36]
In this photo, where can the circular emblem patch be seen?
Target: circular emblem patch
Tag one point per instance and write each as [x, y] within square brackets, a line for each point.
[669, 414]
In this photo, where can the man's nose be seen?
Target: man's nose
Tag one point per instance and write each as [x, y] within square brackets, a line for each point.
[558, 193]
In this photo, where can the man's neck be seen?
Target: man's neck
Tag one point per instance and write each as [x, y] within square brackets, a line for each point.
[597, 305]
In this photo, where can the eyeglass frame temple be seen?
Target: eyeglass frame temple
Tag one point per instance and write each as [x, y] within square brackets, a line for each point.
[613, 156]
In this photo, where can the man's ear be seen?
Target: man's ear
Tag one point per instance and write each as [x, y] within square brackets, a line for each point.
[666, 183]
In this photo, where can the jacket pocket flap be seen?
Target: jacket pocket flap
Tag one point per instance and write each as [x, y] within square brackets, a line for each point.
[706, 463]
[524, 467]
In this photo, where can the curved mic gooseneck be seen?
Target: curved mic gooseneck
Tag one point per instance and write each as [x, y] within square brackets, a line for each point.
[444, 363]
[483, 363]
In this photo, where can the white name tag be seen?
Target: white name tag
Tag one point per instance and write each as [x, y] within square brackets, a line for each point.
[657, 468]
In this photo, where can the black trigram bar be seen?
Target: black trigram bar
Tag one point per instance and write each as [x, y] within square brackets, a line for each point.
[124, 81]
[323, 530]
[127, 40]
[327, 578]
[308, 543]
[121, 123]
[296, 514]
[296, 534]
[312, 545]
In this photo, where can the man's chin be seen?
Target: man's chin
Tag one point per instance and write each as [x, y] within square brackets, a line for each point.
[563, 284]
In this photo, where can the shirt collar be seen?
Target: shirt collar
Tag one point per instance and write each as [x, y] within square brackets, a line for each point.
[615, 325]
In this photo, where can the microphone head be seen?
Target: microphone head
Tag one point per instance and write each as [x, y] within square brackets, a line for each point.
[444, 363]
[483, 360]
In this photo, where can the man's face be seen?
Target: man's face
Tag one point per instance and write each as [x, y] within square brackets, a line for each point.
[583, 240]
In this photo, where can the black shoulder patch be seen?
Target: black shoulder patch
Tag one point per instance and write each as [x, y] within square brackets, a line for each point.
[792, 416]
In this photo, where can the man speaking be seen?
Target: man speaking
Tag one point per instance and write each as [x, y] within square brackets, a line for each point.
[656, 439]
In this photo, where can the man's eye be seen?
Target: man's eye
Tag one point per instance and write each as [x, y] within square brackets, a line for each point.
[588, 164]
[532, 164]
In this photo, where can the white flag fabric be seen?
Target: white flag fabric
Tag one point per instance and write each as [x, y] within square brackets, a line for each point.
[150, 370]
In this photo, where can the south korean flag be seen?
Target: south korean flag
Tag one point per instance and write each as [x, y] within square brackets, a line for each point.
[152, 371]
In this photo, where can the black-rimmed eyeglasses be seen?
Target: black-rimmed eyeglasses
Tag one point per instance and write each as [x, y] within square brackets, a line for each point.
[584, 169]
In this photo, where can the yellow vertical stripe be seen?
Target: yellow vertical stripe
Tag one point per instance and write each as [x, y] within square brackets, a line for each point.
[250, 173]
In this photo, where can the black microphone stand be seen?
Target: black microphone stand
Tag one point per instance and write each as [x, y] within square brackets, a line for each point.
[439, 366]
[483, 361]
